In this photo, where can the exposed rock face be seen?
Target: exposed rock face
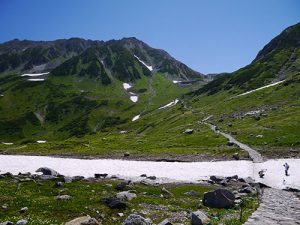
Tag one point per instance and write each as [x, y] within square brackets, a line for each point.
[135, 219]
[220, 198]
[84, 220]
[199, 218]
[47, 171]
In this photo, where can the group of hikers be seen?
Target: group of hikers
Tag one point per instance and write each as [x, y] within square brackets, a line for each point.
[286, 166]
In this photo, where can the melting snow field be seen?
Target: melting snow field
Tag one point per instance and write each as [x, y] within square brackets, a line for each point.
[170, 104]
[33, 74]
[136, 118]
[126, 86]
[165, 171]
[149, 67]
[270, 85]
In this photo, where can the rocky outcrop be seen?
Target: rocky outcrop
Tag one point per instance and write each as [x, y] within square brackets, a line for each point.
[220, 198]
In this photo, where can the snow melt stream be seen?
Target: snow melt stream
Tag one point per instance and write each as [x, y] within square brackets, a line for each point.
[165, 171]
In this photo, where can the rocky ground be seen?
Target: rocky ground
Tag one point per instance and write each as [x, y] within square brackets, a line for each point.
[55, 199]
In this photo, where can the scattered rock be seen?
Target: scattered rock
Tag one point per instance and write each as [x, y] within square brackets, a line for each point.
[216, 178]
[259, 136]
[126, 195]
[59, 184]
[165, 191]
[257, 118]
[247, 190]
[221, 120]
[68, 179]
[220, 198]
[199, 218]
[7, 223]
[143, 175]
[189, 131]
[47, 171]
[151, 177]
[100, 175]
[192, 193]
[63, 197]
[165, 222]
[236, 156]
[114, 203]
[135, 219]
[229, 143]
[121, 186]
[126, 154]
[23, 210]
[229, 125]
[84, 220]
[22, 222]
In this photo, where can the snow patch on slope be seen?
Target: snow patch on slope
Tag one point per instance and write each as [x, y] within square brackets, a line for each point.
[136, 118]
[36, 79]
[126, 86]
[149, 67]
[170, 104]
[33, 74]
[270, 85]
[134, 98]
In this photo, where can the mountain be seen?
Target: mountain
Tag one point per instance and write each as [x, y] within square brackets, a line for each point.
[277, 61]
[59, 89]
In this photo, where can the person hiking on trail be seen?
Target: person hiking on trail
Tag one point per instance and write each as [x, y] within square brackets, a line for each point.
[286, 169]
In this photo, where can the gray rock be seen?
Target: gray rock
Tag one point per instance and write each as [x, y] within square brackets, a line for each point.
[84, 220]
[220, 198]
[7, 223]
[229, 143]
[151, 177]
[63, 197]
[22, 222]
[114, 203]
[47, 171]
[121, 186]
[199, 218]
[189, 131]
[68, 179]
[236, 156]
[126, 154]
[100, 175]
[165, 191]
[126, 195]
[216, 178]
[247, 190]
[192, 193]
[135, 219]
[23, 210]
[59, 184]
[165, 222]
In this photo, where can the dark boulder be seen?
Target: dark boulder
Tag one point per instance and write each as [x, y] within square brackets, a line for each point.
[114, 203]
[220, 198]
[47, 171]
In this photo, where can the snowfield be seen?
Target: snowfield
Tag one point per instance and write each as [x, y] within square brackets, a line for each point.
[41, 141]
[36, 79]
[34, 74]
[135, 118]
[134, 98]
[270, 85]
[170, 104]
[164, 171]
[149, 67]
[126, 86]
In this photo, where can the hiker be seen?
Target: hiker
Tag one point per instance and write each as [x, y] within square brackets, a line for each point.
[261, 173]
[286, 169]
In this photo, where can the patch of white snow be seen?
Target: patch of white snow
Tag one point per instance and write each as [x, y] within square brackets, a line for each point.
[149, 67]
[134, 98]
[41, 141]
[33, 74]
[36, 79]
[7, 143]
[170, 104]
[136, 118]
[270, 85]
[176, 81]
[126, 86]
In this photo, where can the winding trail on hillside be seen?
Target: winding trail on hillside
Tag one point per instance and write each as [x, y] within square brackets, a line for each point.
[277, 207]
[253, 154]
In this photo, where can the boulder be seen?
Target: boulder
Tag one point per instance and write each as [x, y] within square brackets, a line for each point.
[220, 198]
[100, 175]
[229, 143]
[121, 186]
[7, 223]
[23, 210]
[59, 184]
[151, 177]
[84, 220]
[134, 219]
[199, 218]
[216, 178]
[126, 195]
[165, 222]
[165, 191]
[47, 171]
[114, 203]
[126, 154]
[21, 222]
[247, 190]
[192, 193]
[189, 131]
[63, 197]
[236, 156]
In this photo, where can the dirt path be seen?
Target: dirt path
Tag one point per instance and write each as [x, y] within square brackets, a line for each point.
[254, 155]
[277, 207]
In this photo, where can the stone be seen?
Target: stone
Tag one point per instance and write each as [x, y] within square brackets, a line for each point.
[143, 175]
[192, 193]
[199, 218]
[121, 186]
[257, 118]
[23, 210]
[21, 222]
[189, 131]
[84, 220]
[229, 125]
[63, 197]
[59, 184]
[220, 198]
[247, 190]
[165, 222]
[134, 219]
[126, 154]
[165, 191]
[100, 175]
[236, 156]
[47, 171]
[114, 203]
[126, 195]
[221, 120]
[7, 223]
[67, 179]
[151, 177]
[229, 143]
[216, 178]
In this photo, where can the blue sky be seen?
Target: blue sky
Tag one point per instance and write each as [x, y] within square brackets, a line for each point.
[208, 35]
